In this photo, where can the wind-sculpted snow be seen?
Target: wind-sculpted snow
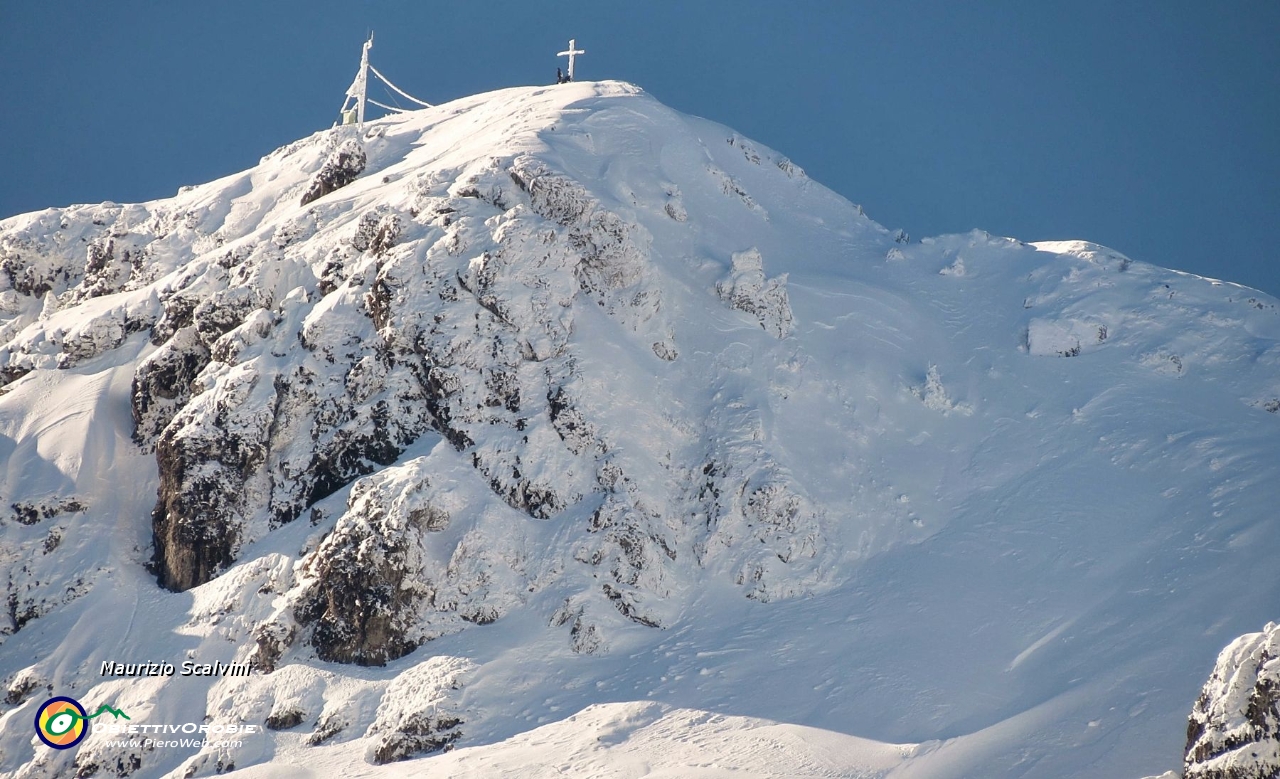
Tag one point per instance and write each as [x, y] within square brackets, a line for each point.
[554, 396]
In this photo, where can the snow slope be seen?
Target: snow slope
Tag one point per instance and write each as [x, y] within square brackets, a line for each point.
[578, 434]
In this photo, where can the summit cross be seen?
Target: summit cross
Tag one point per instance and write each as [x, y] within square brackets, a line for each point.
[573, 50]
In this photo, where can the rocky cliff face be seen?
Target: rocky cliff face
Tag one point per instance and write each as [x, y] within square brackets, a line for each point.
[300, 349]
[449, 310]
[1234, 729]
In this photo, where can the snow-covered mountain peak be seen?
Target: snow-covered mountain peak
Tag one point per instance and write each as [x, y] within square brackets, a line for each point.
[554, 396]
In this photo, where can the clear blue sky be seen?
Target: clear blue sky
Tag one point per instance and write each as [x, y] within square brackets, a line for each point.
[1152, 127]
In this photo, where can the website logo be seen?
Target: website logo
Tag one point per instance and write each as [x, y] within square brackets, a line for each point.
[62, 722]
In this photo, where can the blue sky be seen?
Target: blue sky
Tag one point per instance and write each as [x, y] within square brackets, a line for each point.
[1152, 127]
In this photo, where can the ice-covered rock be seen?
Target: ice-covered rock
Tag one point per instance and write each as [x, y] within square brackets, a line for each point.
[420, 712]
[1234, 729]
[746, 289]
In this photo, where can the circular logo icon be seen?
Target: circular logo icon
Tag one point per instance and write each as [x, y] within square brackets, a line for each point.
[62, 723]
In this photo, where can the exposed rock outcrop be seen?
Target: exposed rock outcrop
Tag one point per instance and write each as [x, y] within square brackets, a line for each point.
[455, 344]
[745, 288]
[394, 573]
[343, 166]
[163, 383]
[1234, 729]
[369, 576]
[200, 514]
[23, 685]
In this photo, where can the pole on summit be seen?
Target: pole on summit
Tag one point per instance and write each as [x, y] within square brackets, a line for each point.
[573, 50]
[358, 93]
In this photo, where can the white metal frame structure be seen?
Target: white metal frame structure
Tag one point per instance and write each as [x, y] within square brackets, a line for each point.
[352, 111]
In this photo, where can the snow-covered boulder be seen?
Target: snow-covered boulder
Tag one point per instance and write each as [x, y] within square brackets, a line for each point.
[1234, 729]
[420, 712]
[745, 288]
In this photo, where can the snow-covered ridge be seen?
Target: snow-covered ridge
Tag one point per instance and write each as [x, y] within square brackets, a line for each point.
[554, 396]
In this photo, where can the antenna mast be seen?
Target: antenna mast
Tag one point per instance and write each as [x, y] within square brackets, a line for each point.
[358, 91]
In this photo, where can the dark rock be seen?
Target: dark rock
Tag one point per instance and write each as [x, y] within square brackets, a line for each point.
[331, 724]
[422, 736]
[272, 639]
[162, 383]
[21, 687]
[198, 517]
[343, 166]
[52, 540]
[285, 719]
[27, 513]
[376, 232]
[745, 288]
[104, 272]
[368, 580]
[11, 373]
